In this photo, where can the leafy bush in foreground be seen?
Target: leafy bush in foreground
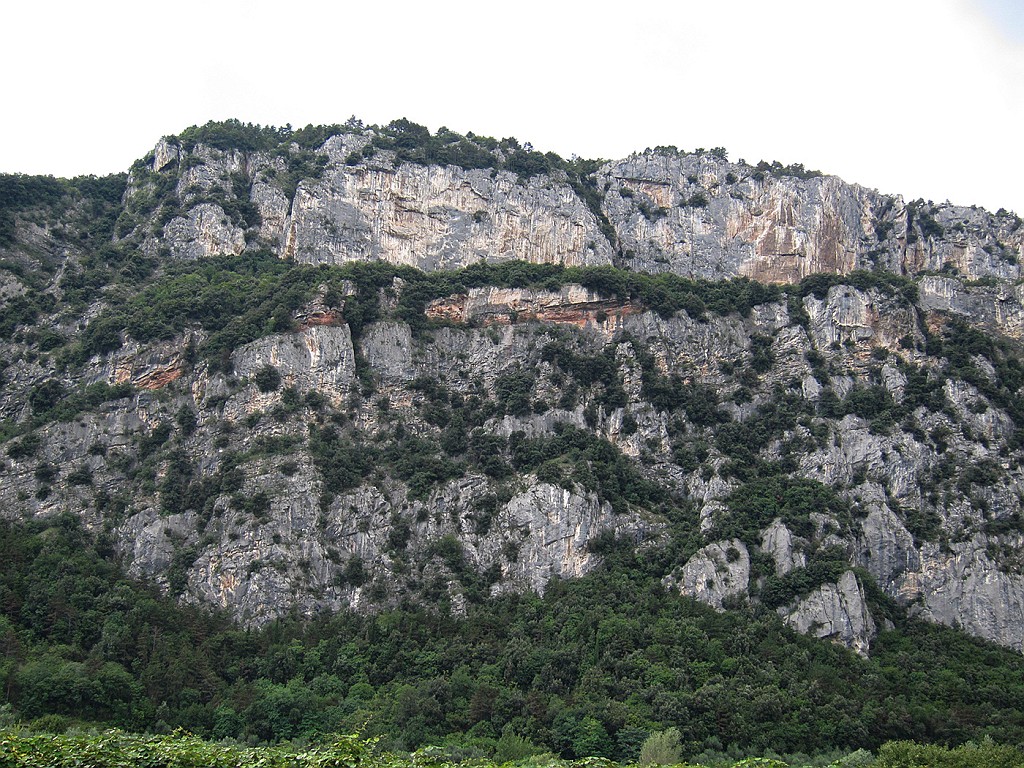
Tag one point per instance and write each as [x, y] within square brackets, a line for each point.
[116, 749]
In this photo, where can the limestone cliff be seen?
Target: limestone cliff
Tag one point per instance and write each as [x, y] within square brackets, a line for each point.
[694, 214]
[380, 435]
[700, 215]
[835, 611]
[435, 217]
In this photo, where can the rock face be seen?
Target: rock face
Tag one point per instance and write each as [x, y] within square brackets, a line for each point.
[847, 315]
[858, 430]
[715, 573]
[554, 527]
[694, 214]
[1000, 304]
[319, 358]
[539, 534]
[965, 588]
[204, 231]
[700, 215]
[440, 218]
[836, 612]
[777, 541]
[306, 549]
[573, 305]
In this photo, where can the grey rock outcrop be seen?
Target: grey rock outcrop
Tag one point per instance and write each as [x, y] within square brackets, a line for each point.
[553, 528]
[777, 541]
[436, 217]
[702, 216]
[694, 214]
[313, 560]
[715, 573]
[964, 588]
[848, 315]
[318, 358]
[203, 232]
[836, 612]
[572, 305]
[1000, 305]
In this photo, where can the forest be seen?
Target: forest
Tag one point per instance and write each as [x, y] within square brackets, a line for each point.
[593, 667]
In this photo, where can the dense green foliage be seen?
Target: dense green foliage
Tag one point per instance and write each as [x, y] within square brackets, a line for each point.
[777, 169]
[79, 213]
[754, 504]
[116, 749]
[229, 135]
[888, 283]
[18, 191]
[904, 754]
[235, 299]
[233, 134]
[962, 345]
[593, 667]
[575, 455]
[50, 401]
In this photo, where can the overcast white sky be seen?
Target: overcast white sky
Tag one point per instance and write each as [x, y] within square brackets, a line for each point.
[924, 98]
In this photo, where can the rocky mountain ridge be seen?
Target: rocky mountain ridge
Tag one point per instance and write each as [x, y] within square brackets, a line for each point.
[283, 416]
[692, 214]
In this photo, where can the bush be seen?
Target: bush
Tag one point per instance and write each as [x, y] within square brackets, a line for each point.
[662, 748]
[80, 476]
[513, 391]
[46, 396]
[754, 505]
[25, 447]
[267, 379]
[342, 462]
[512, 747]
[907, 754]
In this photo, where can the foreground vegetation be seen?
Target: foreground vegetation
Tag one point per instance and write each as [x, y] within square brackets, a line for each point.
[595, 667]
[116, 749]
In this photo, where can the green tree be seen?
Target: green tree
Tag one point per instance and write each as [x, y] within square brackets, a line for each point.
[662, 748]
[267, 378]
[591, 739]
[512, 747]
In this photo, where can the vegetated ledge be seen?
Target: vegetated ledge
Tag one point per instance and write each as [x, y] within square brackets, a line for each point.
[232, 298]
